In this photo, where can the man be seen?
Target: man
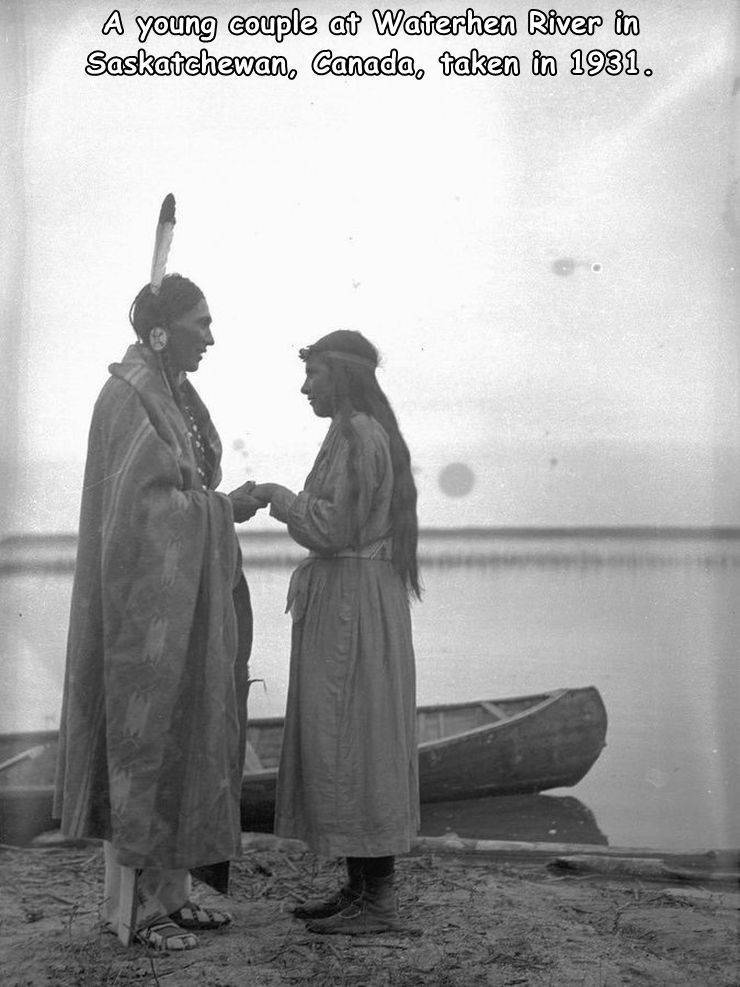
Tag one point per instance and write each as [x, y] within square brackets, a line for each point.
[154, 717]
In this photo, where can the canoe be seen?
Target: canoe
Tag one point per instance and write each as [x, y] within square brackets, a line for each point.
[470, 750]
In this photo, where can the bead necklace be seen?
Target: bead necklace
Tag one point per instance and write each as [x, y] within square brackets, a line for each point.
[198, 445]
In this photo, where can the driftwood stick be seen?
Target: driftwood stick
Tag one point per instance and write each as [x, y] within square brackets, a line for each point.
[715, 861]
[706, 859]
[697, 866]
[647, 869]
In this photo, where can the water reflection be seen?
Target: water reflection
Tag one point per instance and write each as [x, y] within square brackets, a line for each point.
[529, 818]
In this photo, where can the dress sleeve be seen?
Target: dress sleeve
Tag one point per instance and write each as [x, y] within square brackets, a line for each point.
[282, 502]
[323, 516]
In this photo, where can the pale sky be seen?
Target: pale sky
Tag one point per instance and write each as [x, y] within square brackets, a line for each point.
[428, 214]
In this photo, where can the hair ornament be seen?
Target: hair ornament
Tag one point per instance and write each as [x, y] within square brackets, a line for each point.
[162, 244]
[361, 361]
[158, 339]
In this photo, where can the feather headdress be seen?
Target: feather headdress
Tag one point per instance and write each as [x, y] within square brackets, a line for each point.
[162, 242]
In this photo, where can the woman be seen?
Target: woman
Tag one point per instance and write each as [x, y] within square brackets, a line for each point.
[153, 722]
[348, 779]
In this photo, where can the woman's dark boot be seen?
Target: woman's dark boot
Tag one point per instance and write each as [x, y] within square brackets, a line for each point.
[347, 895]
[375, 911]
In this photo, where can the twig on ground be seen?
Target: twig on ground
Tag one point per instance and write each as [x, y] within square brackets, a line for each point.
[154, 969]
[177, 969]
[379, 945]
[90, 860]
[70, 920]
[64, 901]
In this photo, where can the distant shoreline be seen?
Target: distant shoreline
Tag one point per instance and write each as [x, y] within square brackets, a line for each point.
[480, 547]
[466, 532]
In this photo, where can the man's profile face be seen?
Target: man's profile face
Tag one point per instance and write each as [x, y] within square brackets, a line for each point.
[189, 335]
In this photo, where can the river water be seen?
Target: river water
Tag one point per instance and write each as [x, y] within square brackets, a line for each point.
[652, 622]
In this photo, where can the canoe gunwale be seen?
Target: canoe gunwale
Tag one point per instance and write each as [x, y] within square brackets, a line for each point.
[534, 698]
[453, 738]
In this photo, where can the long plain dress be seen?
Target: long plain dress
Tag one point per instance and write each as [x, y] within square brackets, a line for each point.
[348, 778]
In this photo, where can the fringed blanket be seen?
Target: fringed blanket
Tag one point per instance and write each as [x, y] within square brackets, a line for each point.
[153, 721]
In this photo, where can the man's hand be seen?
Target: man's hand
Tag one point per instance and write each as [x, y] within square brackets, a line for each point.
[244, 505]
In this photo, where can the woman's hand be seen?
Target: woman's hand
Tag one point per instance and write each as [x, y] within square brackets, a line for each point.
[243, 502]
[264, 492]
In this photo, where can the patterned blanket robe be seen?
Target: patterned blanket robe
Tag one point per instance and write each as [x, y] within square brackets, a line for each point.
[154, 716]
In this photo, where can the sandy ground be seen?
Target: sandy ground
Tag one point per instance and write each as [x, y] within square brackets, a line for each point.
[467, 921]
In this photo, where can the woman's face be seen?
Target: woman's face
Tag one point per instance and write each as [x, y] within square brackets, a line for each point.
[189, 335]
[318, 387]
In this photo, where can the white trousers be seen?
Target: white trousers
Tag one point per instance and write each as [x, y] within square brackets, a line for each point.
[160, 891]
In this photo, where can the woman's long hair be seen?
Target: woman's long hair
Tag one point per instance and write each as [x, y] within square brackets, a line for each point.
[356, 388]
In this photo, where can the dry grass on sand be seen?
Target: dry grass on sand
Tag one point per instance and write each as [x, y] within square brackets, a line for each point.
[469, 921]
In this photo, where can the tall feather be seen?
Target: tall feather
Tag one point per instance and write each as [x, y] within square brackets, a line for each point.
[162, 242]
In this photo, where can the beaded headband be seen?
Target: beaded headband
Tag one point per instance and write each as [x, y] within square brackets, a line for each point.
[361, 361]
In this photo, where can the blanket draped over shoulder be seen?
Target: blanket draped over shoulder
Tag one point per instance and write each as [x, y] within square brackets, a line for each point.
[154, 714]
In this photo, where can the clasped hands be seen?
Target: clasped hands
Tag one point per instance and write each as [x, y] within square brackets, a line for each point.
[249, 498]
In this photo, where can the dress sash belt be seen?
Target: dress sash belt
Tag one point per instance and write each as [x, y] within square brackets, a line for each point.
[380, 550]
